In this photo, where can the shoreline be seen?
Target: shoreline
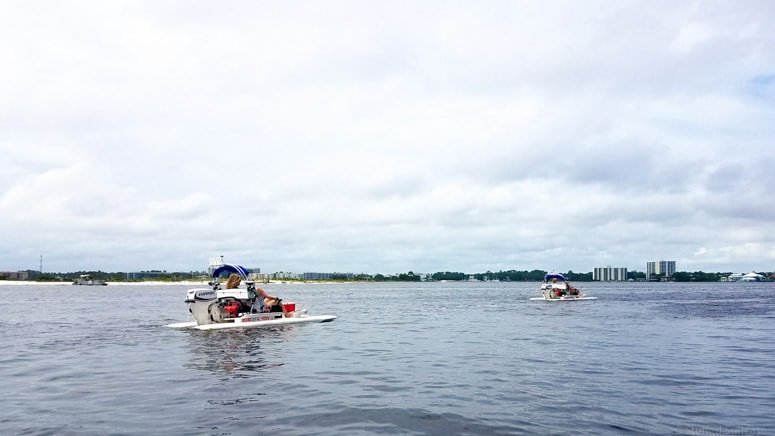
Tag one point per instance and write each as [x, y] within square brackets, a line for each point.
[160, 283]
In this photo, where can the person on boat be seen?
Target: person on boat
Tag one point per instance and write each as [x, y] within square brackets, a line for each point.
[573, 291]
[233, 281]
[264, 302]
[559, 292]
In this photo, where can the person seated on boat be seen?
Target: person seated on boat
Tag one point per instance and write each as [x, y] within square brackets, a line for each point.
[558, 291]
[263, 302]
[573, 291]
[233, 281]
[268, 303]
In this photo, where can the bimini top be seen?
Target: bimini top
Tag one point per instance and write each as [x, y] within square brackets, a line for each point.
[230, 269]
[554, 275]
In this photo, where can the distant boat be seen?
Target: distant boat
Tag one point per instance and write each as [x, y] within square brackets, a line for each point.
[750, 277]
[87, 280]
[557, 287]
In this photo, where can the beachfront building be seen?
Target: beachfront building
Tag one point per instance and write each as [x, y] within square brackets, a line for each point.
[326, 276]
[662, 269]
[609, 274]
[163, 275]
[14, 275]
[283, 275]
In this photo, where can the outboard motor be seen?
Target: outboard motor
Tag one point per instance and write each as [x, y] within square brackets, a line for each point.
[200, 302]
[216, 305]
[217, 312]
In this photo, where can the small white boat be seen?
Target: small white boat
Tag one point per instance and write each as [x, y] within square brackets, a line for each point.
[214, 308]
[87, 280]
[557, 287]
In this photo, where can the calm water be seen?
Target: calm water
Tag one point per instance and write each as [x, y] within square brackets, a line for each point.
[436, 358]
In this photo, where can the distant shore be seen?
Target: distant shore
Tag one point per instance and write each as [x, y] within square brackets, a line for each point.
[161, 283]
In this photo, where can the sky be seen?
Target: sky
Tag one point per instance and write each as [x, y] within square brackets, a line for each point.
[387, 136]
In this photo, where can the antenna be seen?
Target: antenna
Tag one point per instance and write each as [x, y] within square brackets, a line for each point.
[41, 264]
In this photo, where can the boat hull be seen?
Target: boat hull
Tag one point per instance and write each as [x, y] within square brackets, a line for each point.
[563, 298]
[253, 322]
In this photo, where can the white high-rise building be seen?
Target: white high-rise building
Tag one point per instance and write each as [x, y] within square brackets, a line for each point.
[609, 274]
[665, 268]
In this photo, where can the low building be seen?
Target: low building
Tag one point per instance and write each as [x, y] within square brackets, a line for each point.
[14, 275]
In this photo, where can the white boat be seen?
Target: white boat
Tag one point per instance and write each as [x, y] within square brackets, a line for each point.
[750, 277]
[87, 280]
[215, 308]
[557, 287]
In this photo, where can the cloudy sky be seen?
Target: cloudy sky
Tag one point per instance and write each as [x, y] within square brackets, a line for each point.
[387, 136]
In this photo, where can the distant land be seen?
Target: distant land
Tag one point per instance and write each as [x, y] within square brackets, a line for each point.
[504, 276]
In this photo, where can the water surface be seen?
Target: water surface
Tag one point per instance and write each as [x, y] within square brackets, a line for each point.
[425, 358]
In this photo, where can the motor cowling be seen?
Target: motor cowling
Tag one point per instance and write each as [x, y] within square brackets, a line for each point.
[194, 295]
[200, 302]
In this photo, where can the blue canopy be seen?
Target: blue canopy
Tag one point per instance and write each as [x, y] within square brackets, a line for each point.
[557, 276]
[230, 269]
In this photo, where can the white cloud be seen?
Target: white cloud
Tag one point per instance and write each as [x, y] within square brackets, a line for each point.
[386, 137]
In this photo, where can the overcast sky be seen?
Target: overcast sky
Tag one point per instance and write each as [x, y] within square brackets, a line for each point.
[387, 136]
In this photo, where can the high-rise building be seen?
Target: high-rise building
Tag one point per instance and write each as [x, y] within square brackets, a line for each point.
[609, 274]
[663, 268]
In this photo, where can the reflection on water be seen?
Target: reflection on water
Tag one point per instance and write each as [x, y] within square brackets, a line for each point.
[239, 353]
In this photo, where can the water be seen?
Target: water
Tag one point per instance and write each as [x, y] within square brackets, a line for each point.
[428, 358]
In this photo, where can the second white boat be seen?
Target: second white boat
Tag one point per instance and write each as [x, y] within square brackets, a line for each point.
[557, 287]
